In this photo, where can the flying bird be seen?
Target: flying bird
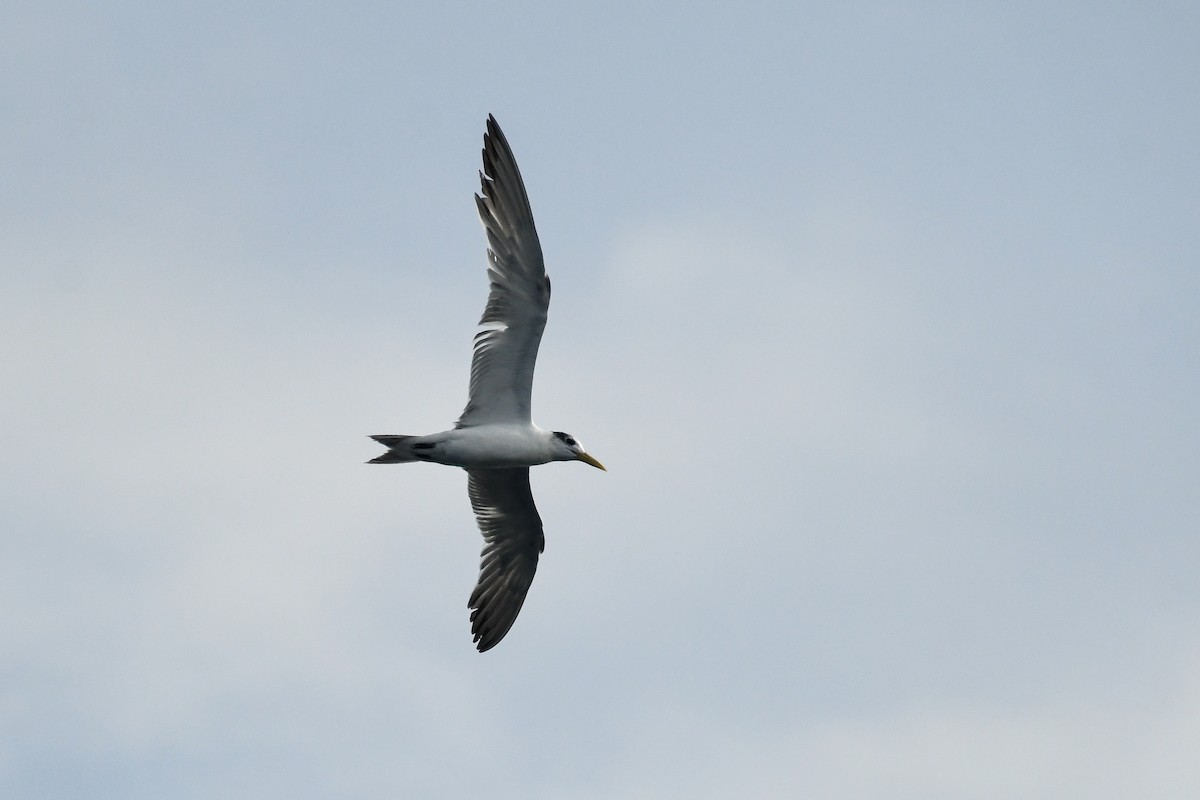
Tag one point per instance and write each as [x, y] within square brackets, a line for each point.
[495, 439]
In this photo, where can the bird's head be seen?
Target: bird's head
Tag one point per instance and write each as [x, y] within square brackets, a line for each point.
[567, 448]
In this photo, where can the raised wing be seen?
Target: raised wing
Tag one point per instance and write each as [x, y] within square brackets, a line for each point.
[515, 315]
[512, 540]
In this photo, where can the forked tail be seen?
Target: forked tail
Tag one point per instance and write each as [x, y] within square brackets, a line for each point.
[399, 450]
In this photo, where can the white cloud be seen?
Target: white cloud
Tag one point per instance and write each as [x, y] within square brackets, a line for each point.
[1094, 749]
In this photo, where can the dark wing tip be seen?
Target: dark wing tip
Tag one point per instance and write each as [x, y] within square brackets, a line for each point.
[489, 628]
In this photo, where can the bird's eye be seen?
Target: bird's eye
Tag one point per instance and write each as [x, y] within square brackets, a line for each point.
[569, 441]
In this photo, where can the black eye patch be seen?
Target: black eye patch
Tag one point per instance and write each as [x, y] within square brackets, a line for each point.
[566, 438]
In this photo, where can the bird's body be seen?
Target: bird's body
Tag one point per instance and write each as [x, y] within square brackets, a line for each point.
[495, 439]
[493, 446]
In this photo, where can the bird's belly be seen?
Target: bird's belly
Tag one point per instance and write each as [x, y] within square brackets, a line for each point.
[485, 448]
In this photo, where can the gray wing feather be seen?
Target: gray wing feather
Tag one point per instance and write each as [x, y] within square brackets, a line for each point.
[515, 314]
[512, 540]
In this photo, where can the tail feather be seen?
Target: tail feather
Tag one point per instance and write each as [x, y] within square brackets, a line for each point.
[399, 450]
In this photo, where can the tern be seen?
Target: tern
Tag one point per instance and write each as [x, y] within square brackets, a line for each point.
[495, 439]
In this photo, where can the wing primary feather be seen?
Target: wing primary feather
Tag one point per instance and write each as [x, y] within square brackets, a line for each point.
[512, 541]
[503, 361]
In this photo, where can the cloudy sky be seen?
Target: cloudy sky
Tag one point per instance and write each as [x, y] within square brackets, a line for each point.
[885, 318]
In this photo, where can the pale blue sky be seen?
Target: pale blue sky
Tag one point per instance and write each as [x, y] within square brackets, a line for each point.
[885, 318]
